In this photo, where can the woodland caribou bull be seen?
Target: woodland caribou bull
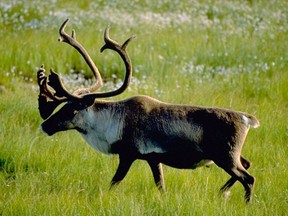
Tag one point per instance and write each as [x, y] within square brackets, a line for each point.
[142, 127]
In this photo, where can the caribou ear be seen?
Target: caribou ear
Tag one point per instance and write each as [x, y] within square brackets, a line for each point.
[46, 107]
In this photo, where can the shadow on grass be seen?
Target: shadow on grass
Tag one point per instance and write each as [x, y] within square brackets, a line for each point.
[9, 168]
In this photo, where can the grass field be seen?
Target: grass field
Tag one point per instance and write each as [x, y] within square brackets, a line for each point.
[230, 54]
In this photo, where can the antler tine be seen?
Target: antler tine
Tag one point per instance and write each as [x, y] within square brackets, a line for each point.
[111, 44]
[54, 82]
[71, 40]
[47, 100]
[121, 50]
[42, 83]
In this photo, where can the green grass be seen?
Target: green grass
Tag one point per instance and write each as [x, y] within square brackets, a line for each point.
[225, 54]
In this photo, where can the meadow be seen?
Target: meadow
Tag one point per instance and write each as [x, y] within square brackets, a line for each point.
[230, 54]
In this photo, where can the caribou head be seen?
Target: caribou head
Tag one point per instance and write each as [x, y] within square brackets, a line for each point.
[53, 93]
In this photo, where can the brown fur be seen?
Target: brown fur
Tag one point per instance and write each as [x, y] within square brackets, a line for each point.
[180, 136]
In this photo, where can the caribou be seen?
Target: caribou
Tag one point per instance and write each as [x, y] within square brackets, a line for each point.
[141, 127]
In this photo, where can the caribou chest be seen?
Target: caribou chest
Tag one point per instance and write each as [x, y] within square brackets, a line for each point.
[100, 129]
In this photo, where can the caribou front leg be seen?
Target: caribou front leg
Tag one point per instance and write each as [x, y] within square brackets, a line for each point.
[123, 168]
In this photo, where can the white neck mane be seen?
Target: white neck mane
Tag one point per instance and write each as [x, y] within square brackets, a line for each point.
[102, 128]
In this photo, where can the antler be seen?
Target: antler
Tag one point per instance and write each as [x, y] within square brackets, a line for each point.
[121, 50]
[53, 92]
[49, 98]
[71, 40]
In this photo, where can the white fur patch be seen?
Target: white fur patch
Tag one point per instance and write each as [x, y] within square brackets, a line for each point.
[245, 120]
[103, 128]
[250, 121]
[147, 146]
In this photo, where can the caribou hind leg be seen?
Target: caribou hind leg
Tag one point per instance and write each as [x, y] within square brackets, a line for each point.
[225, 188]
[246, 179]
[239, 173]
